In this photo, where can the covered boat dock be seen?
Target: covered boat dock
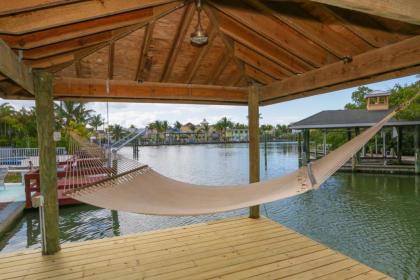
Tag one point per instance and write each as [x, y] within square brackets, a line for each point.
[249, 53]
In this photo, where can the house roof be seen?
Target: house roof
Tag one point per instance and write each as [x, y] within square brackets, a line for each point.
[377, 93]
[348, 118]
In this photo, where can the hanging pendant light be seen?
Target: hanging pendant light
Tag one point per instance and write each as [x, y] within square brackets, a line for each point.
[199, 36]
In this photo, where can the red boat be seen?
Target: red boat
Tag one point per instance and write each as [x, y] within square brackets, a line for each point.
[65, 170]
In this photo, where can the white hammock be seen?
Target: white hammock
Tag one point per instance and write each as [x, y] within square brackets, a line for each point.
[145, 191]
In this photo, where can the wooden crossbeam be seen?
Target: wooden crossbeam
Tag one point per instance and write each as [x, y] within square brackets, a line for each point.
[277, 32]
[111, 56]
[76, 30]
[178, 40]
[399, 56]
[13, 68]
[71, 13]
[402, 10]
[127, 91]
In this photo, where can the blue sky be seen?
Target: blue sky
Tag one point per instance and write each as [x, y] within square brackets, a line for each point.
[284, 113]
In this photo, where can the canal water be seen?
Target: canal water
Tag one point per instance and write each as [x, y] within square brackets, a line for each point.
[371, 218]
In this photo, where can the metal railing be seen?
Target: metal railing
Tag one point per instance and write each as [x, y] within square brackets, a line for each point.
[25, 157]
[127, 139]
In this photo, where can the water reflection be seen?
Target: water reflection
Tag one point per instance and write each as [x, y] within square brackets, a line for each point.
[372, 218]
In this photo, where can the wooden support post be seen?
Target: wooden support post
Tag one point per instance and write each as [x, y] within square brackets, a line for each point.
[47, 158]
[324, 143]
[306, 147]
[356, 133]
[417, 149]
[399, 143]
[254, 142]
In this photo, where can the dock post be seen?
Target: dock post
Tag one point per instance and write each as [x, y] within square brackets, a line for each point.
[399, 143]
[254, 142]
[417, 149]
[306, 147]
[324, 142]
[299, 149]
[44, 107]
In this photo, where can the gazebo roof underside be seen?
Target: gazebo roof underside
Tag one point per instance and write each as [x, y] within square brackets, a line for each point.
[140, 51]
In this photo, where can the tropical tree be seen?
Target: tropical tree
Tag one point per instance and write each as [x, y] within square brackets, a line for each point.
[223, 124]
[177, 125]
[96, 121]
[117, 132]
[69, 111]
[206, 130]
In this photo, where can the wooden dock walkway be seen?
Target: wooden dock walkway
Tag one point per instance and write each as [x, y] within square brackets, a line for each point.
[239, 248]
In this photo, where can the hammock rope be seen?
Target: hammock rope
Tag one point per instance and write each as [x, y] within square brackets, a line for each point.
[109, 180]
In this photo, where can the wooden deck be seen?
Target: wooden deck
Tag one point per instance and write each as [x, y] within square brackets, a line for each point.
[239, 248]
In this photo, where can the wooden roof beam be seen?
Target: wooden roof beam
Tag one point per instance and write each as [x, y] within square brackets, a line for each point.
[77, 30]
[402, 10]
[13, 7]
[278, 32]
[305, 24]
[261, 62]
[218, 68]
[226, 40]
[94, 89]
[378, 62]
[258, 75]
[259, 44]
[178, 40]
[71, 13]
[196, 62]
[13, 68]
[147, 39]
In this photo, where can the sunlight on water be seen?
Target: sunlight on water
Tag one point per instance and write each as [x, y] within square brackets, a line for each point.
[372, 218]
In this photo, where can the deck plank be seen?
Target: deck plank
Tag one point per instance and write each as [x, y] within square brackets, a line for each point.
[234, 248]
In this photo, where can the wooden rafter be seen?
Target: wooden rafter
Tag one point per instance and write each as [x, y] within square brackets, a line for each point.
[178, 40]
[148, 34]
[218, 68]
[405, 54]
[402, 10]
[257, 75]
[13, 68]
[111, 56]
[363, 26]
[261, 62]
[76, 30]
[228, 43]
[13, 7]
[317, 32]
[196, 62]
[69, 45]
[76, 12]
[279, 33]
[261, 45]
[94, 89]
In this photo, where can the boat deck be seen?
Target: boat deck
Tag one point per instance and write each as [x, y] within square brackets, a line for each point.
[238, 248]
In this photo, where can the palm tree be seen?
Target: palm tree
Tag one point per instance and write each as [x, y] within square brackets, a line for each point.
[223, 124]
[96, 121]
[69, 111]
[177, 125]
[206, 129]
[117, 132]
[165, 127]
